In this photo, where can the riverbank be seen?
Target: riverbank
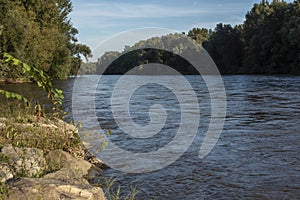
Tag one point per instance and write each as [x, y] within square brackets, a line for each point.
[44, 158]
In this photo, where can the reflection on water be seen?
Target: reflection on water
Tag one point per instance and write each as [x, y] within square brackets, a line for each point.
[256, 157]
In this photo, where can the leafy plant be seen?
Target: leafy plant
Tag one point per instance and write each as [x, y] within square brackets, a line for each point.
[40, 78]
[12, 95]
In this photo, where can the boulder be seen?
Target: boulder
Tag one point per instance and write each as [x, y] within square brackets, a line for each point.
[58, 159]
[67, 176]
[52, 189]
[25, 161]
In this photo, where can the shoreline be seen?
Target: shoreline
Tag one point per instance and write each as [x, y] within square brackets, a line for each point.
[42, 172]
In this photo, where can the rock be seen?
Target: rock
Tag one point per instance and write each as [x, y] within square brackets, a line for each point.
[69, 128]
[97, 162]
[58, 159]
[2, 126]
[48, 126]
[2, 119]
[50, 189]
[6, 172]
[92, 159]
[25, 161]
[2, 123]
[67, 176]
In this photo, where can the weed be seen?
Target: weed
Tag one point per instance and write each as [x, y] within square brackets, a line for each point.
[113, 189]
[3, 191]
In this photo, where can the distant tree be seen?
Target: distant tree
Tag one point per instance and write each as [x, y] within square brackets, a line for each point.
[266, 43]
[143, 52]
[105, 60]
[200, 35]
[226, 48]
[268, 48]
[87, 68]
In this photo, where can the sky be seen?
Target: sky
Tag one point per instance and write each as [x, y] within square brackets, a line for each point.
[99, 20]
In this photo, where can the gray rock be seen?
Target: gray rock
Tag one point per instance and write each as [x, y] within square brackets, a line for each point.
[2, 123]
[2, 126]
[25, 161]
[6, 172]
[49, 189]
[58, 159]
[67, 176]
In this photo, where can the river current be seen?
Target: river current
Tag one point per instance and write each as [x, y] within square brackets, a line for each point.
[256, 157]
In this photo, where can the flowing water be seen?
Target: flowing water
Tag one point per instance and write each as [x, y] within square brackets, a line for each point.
[256, 157]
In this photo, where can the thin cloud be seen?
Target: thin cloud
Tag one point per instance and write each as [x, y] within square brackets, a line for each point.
[127, 10]
[97, 20]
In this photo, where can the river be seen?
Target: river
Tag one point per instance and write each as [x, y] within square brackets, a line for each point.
[256, 157]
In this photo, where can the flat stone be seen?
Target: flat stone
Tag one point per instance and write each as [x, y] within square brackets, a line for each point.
[49, 189]
[58, 159]
[67, 175]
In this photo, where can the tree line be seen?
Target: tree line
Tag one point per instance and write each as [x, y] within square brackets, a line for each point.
[40, 33]
[268, 42]
[149, 51]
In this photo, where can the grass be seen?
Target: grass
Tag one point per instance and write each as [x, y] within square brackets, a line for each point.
[3, 191]
[113, 191]
[23, 127]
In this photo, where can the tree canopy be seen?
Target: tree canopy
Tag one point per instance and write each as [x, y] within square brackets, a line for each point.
[266, 43]
[137, 55]
[41, 34]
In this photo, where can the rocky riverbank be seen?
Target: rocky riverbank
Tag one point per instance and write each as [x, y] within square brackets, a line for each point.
[45, 159]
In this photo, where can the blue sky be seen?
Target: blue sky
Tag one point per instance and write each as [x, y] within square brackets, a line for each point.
[98, 20]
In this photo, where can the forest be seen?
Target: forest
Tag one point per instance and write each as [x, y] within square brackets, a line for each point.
[268, 42]
[40, 34]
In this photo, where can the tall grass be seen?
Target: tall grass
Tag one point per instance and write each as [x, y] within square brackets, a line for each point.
[27, 126]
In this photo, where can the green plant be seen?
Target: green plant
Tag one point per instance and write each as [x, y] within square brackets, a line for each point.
[3, 191]
[3, 158]
[12, 95]
[40, 78]
[113, 190]
[15, 111]
[20, 128]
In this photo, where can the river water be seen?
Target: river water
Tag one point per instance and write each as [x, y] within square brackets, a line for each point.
[256, 157]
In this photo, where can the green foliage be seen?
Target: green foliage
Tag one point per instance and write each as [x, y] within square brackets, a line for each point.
[138, 55]
[21, 129]
[200, 35]
[40, 78]
[40, 34]
[88, 68]
[12, 95]
[3, 191]
[113, 190]
[266, 43]
[225, 47]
